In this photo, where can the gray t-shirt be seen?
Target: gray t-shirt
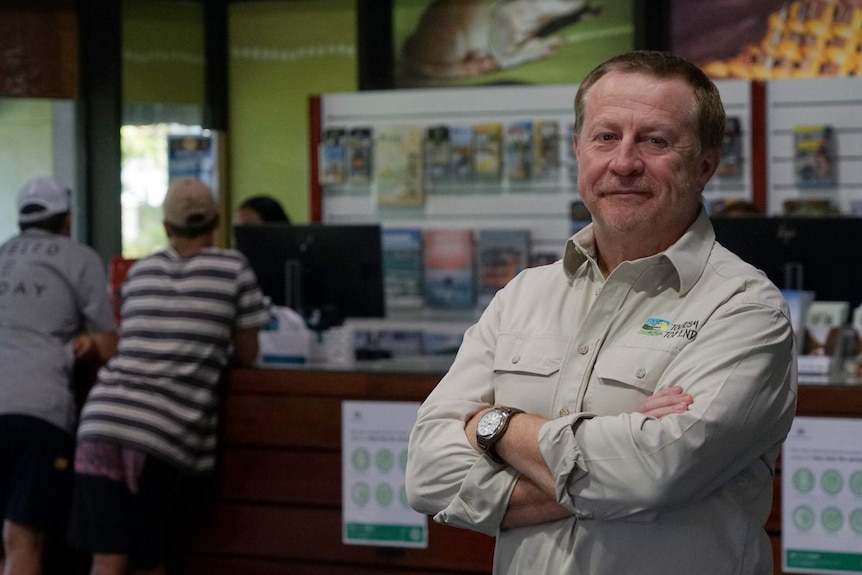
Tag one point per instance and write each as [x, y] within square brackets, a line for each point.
[51, 289]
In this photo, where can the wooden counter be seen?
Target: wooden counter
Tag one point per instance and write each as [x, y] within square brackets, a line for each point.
[276, 508]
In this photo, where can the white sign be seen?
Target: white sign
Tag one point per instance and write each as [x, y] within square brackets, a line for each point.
[821, 529]
[375, 511]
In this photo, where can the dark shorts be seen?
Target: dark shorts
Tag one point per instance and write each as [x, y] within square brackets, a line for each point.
[35, 471]
[124, 502]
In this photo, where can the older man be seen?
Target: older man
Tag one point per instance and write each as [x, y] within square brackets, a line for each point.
[546, 432]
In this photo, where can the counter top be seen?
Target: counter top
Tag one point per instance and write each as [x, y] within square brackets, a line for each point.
[424, 364]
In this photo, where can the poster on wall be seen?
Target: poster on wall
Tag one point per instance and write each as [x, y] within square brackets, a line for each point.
[374, 437]
[821, 505]
[193, 157]
[455, 42]
[814, 158]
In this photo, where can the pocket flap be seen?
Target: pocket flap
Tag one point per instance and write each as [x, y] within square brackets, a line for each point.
[634, 366]
[540, 355]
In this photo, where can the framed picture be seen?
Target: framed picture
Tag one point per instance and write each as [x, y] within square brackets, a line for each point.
[446, 43]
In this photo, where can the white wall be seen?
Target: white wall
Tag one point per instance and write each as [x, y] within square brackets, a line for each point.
[836, 102]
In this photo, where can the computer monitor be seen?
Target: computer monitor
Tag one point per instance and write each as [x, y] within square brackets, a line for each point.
[325, 272]
[820, 253]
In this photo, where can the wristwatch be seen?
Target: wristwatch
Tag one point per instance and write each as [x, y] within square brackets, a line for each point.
[491, 428]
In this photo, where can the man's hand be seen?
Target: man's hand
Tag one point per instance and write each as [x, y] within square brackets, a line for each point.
[665, 402]
[95, 346]
[83, 346]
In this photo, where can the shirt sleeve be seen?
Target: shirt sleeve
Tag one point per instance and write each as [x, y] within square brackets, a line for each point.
[251, 311]
[741, 374]
[446, 477]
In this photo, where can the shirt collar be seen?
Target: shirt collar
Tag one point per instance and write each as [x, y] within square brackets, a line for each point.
[688, 254]
[579, 248]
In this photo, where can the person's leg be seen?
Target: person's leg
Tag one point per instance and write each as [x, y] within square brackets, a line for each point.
[102, 518]
[36, 486]
[23, 549]
[109, 564]
[155, 501]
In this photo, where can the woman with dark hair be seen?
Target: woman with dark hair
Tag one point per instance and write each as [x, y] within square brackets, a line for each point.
[260, 210]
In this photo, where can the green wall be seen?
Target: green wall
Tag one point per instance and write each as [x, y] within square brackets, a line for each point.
[280, 54]
[163, 52]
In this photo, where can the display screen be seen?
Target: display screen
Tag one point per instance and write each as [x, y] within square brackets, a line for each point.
[324, 272]
[815, 254]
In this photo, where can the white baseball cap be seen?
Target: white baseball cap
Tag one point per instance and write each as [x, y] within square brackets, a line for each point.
[41, 198]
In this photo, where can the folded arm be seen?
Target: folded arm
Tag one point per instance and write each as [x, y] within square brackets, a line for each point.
[744, 394]
[606, 466]
[533, 498]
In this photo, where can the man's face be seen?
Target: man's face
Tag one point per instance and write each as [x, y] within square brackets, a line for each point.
[640, 165]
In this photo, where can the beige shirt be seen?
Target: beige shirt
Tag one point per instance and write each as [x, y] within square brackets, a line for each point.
[688, 493]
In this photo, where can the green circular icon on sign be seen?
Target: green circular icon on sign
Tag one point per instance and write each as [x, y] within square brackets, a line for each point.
[832, 519]
[803, 517]
[361, 494]
[856, 482]
[384, 494]
[385, 460]
[361, 459]
[402, 459]
[831, 481]
[803, 480]
[856, 520]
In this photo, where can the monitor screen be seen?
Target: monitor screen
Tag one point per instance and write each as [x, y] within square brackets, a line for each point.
[324, 272]
[822, 254]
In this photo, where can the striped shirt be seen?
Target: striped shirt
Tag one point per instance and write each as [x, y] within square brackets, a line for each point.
[159, 393]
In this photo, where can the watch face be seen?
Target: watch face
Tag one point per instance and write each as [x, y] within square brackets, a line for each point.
[489, 423]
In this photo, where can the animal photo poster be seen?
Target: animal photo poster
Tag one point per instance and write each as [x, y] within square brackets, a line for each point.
[473, 42]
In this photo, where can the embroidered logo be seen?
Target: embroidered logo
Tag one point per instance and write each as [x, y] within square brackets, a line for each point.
[661, 327]
[686, 329]
[654, 326]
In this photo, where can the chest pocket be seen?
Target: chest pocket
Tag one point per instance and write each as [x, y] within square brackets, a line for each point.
[526, 370]
[636, 367]
[624, 378]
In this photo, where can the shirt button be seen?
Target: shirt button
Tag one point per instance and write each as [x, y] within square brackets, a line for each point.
[516, 359]
[583, 349]
[597, 291]
[564, 412]
[640, 373]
